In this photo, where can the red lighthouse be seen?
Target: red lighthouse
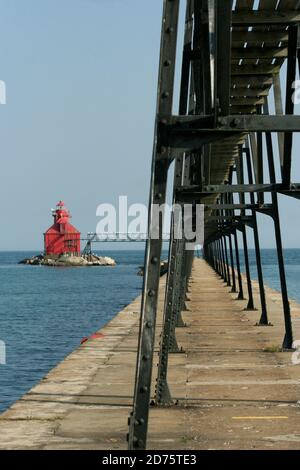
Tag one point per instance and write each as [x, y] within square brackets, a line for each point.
[62, 237]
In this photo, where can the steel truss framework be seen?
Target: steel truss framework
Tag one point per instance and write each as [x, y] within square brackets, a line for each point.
[221, 142]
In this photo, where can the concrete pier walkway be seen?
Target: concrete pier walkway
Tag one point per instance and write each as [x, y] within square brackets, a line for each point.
[233, 388]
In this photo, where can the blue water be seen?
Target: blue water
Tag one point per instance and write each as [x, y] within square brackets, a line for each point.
[45, 312]
[270, 269]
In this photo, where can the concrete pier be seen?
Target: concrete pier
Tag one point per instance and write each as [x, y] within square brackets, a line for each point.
[232, 386]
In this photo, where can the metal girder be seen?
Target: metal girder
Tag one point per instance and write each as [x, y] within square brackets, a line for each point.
[252, 18]
[289, 106]
[232, 123]
[238, 218]
[223, 56]
[227, 73]
[294, 190]
[189, 133]
[239, 167]
[176, 266]
[231, 206]
[279, 111]
[230, 188]
[139, 416]
[291, 193]
[288, 338]
[264, 314]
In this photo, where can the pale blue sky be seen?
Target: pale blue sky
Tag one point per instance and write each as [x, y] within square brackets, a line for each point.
[81, 81]
[78, 125]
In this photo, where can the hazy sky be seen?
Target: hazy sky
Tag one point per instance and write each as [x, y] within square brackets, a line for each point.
[81, 80]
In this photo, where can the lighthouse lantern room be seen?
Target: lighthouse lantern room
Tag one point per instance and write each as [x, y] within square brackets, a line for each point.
[62, 238]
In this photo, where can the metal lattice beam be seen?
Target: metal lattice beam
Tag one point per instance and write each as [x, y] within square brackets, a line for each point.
[217, 144]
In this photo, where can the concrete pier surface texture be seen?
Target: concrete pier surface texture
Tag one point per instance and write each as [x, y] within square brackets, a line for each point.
[233, 387]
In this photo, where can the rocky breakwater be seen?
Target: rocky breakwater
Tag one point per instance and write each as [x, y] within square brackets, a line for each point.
[69, 260]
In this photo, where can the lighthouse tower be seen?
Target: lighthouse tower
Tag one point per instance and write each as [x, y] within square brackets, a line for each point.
[62, 238]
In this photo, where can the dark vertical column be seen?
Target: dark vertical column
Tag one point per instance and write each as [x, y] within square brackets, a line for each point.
[250, 305]
[288, 338]
[175, 291]
[242, 228]
[207, 254]
[264, 315]
[223, 61]
[215, 263]
[190, 259]
[217, 257]
[182, 287]
[175, 306]
[238, 266]
[223, 228]
[289, 103]
[224, 270]
[260, 166]
[227, 262]
[162, 393]
[232, 264]
[138, 424]
[230, 200]
[220, 259]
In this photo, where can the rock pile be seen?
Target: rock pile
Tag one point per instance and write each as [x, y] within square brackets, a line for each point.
[70, 260]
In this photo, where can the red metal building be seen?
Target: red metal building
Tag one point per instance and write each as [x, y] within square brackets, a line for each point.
[62, 237]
